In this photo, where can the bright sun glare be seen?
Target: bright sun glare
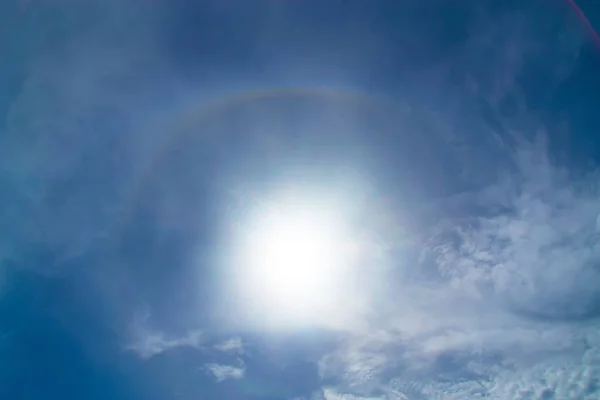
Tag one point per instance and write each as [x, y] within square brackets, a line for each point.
[296, 261]
[295, 255]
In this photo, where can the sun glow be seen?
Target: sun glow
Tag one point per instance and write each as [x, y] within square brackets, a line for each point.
[296, 255]
[295, 262]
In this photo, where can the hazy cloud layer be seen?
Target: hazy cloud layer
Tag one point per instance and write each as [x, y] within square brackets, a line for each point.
[506, 300]
[498, 298]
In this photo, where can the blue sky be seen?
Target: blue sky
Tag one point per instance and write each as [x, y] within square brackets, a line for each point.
[136, 136]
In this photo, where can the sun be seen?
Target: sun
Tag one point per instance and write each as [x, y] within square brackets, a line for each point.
[295, 253]
[295, 261]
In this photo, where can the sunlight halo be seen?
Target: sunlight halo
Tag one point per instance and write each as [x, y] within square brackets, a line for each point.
[296, 259]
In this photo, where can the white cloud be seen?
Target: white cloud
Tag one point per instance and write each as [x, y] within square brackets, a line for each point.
[503, 303]
[233, 345]
[563, 377]
[508, 306]
[148, 342]
[513, 297]
[152, 343]
[223, 372]
[332, 394]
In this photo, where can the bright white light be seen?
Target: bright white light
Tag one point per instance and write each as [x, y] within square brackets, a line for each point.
[295, 262]
[296, 255]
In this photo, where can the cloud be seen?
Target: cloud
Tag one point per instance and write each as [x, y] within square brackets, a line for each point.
[223, 372]
[147, 342]
[503, 304]
[541, 257]
[233, 345]
[501, 297]
[332, 394]
[152, 343]
[66, 132]
[562, 376]
[538, 262]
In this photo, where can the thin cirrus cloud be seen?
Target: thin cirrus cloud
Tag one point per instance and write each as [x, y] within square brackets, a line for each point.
[520, 294]
[233, 345]
[223, 372]
[505, 301]
[151, 343]
[498, 304]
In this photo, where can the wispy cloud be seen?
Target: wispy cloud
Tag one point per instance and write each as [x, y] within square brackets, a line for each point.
[503, 301]
[233, 345]
[69, 125]
[501, 304]
[332, 394]
[147, 342]
[223, 372]
[152, 343]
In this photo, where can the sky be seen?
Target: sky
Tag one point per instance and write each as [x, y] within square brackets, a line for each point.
[140, 140]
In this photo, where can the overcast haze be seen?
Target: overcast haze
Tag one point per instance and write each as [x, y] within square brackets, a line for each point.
[138, 138]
